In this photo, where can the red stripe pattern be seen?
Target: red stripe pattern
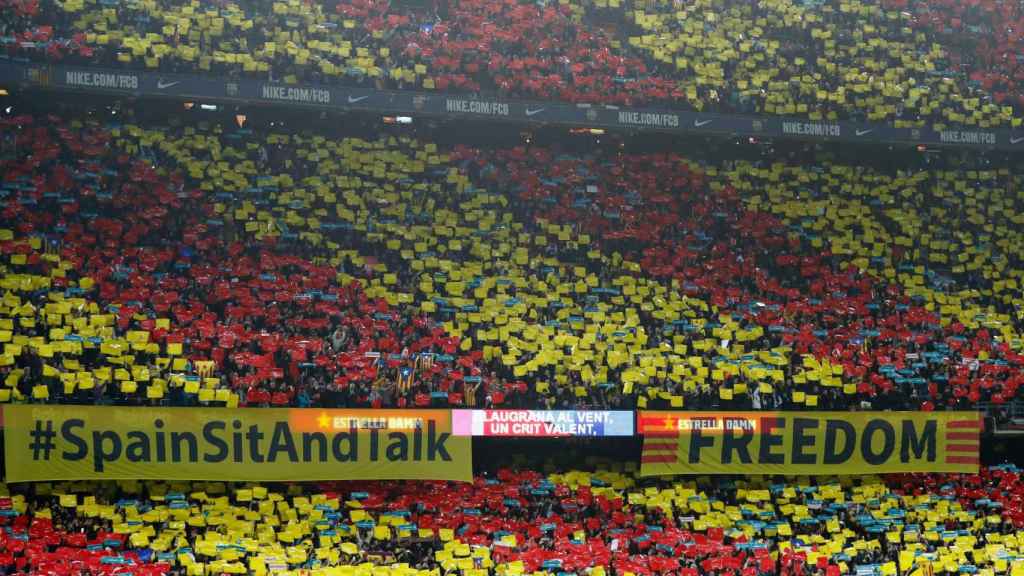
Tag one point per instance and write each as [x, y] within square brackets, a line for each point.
[660, 448]
[964, 424]
[961, 448]
[962, 441]
[652, 446]
[658, 459]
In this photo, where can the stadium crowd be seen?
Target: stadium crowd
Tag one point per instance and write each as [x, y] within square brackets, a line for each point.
[881, 60]
[984, 38]
[522, 522]
[219, 266]
[199, 264]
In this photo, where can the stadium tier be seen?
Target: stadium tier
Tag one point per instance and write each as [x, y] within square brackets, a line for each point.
[906, 64]
[521, 523]
[279, 294]
[227, 267]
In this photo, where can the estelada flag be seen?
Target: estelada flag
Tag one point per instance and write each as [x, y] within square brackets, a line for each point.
[405, 378]
[661, 439]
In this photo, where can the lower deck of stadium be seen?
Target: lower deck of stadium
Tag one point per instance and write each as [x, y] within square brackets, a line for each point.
[520, 521]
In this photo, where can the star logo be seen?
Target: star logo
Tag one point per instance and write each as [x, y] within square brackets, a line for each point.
[670, 423]
[323, 421]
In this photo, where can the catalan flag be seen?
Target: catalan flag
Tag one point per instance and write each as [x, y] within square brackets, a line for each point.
[963, 441]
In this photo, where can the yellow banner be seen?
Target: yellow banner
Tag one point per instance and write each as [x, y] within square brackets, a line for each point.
[96, 442]
[808, 442]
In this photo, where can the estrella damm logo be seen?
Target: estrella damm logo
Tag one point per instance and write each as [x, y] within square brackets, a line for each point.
[808, 442]
[79, 442]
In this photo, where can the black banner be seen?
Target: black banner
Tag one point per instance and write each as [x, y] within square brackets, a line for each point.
[391, 102]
